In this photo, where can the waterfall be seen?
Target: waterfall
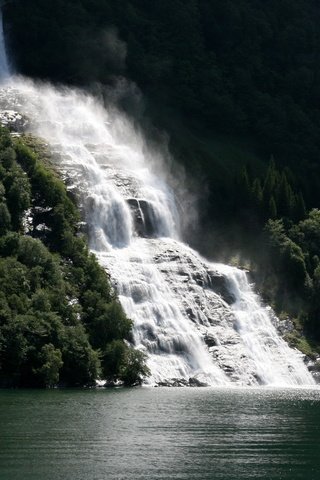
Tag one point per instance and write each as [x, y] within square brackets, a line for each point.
[199, 323]
[275, 362]
[4, 65]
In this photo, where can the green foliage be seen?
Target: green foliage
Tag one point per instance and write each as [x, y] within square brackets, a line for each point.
[49, 192]
[58, 311]
[105, 321]
[51, 360]
[125, 363]
[133, 369]
[277, 198]
[288, 256]
[15, 192]
[18, 195]
[300, 342]
[7, 157]
[113, 358]
[291, 265]
[272, 208]
[5, 218]
[81, 363]
[299, 209]
[308, 233]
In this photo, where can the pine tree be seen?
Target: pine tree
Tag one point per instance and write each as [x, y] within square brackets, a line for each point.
[270, 180]
[272, 209]
[269, 186]
[244, 190]
[257, 192]
[299, 211]
[285, 198]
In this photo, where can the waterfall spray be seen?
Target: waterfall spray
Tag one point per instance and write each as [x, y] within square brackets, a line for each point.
[4, 65]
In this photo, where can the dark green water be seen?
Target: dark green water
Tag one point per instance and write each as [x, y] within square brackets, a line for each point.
[160, 434]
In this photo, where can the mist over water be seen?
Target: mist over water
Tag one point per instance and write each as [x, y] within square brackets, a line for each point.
[198, 322]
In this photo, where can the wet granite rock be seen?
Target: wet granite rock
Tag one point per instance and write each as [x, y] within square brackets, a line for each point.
[210, 340]
[13, 120]
[182, 382]
[219, 284]
[194, 382]
[173, 382]
[142, 217]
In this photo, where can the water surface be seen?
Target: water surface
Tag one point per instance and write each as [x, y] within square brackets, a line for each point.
[150, 433]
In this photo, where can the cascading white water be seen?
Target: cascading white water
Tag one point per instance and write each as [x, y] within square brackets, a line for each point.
[4, 64]
[198, 322]
[273, 358]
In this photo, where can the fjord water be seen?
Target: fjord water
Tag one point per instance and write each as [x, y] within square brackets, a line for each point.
[160, 433]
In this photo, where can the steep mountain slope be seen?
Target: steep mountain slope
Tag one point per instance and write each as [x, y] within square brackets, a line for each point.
[234, 83]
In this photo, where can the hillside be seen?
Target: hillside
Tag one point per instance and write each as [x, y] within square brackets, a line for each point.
[247, 68]
[236, 86]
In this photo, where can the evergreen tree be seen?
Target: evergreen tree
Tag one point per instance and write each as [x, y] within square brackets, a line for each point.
[285, 197]
[299, 211]
[269, 187]
[244, 197]
[257, 194]
[5, 218]
[272, 209]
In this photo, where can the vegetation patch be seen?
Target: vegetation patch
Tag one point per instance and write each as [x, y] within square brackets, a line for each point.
[60, 320]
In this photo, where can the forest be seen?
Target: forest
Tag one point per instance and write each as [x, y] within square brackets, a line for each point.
[235, 83]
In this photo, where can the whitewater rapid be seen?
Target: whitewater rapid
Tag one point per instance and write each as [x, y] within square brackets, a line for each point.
[199, 323]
